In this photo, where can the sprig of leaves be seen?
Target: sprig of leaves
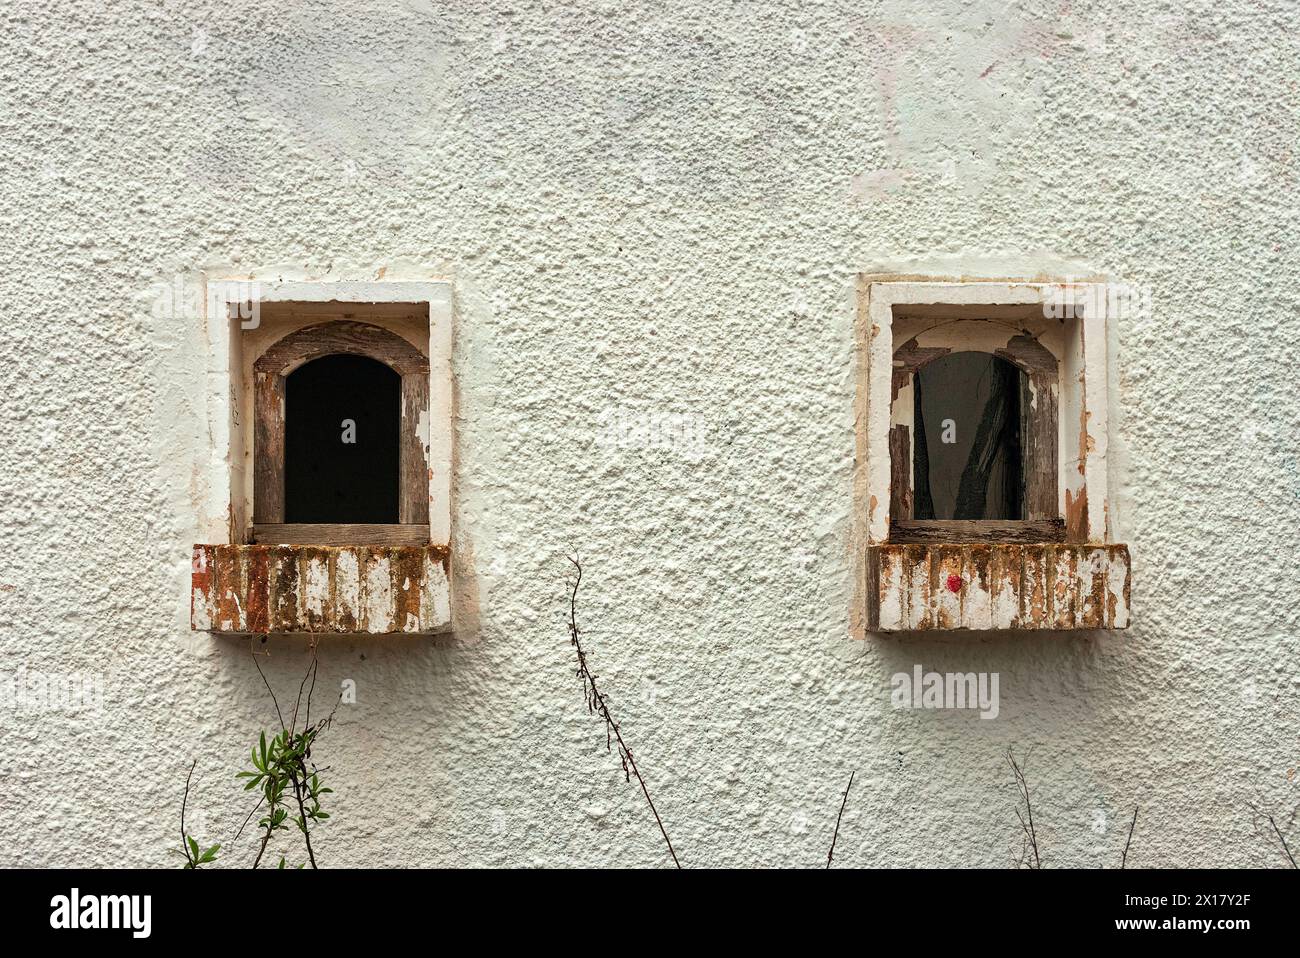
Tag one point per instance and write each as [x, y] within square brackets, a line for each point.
[283, 772]
[280, 769]
[196, 856]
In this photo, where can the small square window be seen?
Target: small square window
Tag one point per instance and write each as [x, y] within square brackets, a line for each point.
[336, 438]
[983, 469]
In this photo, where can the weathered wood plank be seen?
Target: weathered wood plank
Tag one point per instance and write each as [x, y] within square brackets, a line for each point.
[231, 592]
[342, 534]
[1091, 602]
[203, 587]
[347, 590]
[947, 585]
[376, 591]
[910, 357]
[407, 568]
[1004, 586]
[892, 592]
[1118, 587]
[1062, 566]
[257, 584]
[317, 601]
[413, 459]
[977, 596]
[1035, 606]
[342, 336]
[268, 446]
[920, 607]
[980, 531]
[285, 599]
[1038, 446]
[900, 474]
[435, 591]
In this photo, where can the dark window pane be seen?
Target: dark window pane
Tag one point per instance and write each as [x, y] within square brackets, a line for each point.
[967, 462]
[325, 478]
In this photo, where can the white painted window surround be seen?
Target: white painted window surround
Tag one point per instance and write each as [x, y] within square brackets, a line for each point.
[1072, 319]
[902, 588]
[232, 315]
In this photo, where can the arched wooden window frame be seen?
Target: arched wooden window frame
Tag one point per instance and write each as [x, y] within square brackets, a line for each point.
[270, 372]
[1080, 580]
[1039, 406]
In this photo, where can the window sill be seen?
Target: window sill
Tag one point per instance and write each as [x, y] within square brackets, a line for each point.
[976, 531]
[360, 590]
[341, 534]
[913, 588]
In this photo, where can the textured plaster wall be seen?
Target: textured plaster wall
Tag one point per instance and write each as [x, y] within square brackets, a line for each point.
[652, 219]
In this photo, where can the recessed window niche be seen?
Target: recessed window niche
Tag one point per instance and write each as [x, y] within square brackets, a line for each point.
[336, 441]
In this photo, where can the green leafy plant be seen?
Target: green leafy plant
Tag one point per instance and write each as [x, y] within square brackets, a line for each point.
[284, 775]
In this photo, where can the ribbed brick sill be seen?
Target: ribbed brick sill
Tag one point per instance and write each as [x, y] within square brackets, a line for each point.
[983, 587]
[370, 590]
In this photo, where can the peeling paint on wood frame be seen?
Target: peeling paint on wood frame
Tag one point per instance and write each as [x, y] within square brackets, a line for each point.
[231, 488]
[986, 587]
[1038, 407]
[330, 338]
[904, 320]
[374, 590]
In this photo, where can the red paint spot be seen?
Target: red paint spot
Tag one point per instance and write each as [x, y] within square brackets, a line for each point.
[954, 583]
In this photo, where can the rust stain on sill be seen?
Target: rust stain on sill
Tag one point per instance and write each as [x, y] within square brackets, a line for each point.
[259, 589]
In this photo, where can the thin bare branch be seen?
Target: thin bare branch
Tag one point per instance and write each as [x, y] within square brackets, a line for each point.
[247, 820]
[1281, 838]
[831, 854]
[314, 664]
[270, 690]
[1259, 813]
[1131, 825]
[1026, 826]
[309, 674]
[596, 703]
[185, 838]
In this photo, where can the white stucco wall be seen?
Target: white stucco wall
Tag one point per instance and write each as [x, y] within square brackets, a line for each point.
[650, 214]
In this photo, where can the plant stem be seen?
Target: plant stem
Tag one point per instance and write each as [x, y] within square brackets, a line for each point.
[831, 854]
[597, 699]
[185, 842]
[1031, 836]
[266, 840]
[1281, 839]
[1131, 826]
[302, 812]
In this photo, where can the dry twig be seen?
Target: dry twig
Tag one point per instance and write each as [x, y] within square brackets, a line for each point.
[1277, 832]
[596, 703]
[1131, 826]
[1030, 843]
[831, 854]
